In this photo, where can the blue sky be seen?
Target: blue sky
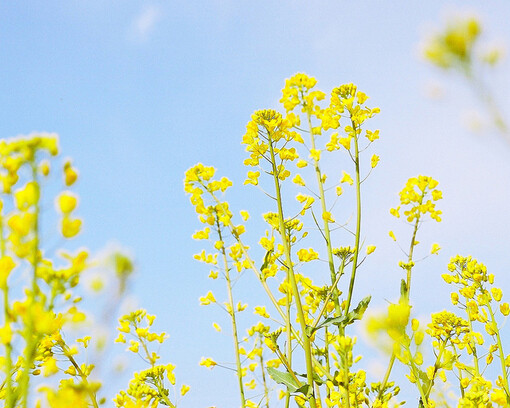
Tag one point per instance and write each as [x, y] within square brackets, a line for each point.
[139, 91]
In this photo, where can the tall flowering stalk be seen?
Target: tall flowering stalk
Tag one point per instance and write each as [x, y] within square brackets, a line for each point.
[457, 48]
[274, 142]
[33, 326]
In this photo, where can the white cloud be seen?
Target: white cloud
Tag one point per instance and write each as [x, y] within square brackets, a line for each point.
[145, 22]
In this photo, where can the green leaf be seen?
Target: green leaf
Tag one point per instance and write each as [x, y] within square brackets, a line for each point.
[356, 314]
[424, 379]
[403, 289]
[316, 379]
[359, 311]
[285, 379]
[303, 390]
[266, 260]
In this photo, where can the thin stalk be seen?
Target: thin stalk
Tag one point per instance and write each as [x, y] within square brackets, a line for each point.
[233, 318]
[264, 381]
[357, 237]
[328, 297]
[286, 249]
[7, 313]
[149, 358]
[386, 376]
[358, 219]
[483, 92]
[327, 232]
[406, 298]
[283, 359]
[31, 341]
[460, 373]
[501, 354]
[436, 368]
[83, 376]
[475, 356]
[288, 324]
[414, 370]
[326, 357]
[164, 396]
[278, 308]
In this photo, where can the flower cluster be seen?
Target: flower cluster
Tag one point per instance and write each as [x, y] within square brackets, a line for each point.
[147, 388]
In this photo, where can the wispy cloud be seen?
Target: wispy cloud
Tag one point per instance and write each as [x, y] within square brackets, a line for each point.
[145, 22]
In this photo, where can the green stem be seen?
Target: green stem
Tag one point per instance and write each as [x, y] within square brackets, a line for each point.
[436, 369]
[30, 335]
[286, 249]
[233, 318]
[288, 324]
[83, 376]
[501, 354]
[264, 381]
[8, 319]
[358, 219]
[483, 92]
[406, 298]
[328, 297]
[327, 232]
[278, 308]
[475, 356]
[460, 372]
[414, 370]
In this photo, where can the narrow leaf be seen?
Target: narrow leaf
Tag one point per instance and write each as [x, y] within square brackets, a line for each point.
[284, 378]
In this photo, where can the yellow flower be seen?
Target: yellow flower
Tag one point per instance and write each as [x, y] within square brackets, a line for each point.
[184, 389]
[499, 397]
[44, 167]
[333, 143]
[307, 255]
[370, 249]
[50, 367]
[207, 362]
[5, 334]
[6, 266]
[435, 249]
[315, 154]
[454, 46]
[134, 346]
[497, 294]
[345, 142]
[261, 311]
[207, 299]
[504, 308]
[372, 136]
[27, 196]
[70, 174]
[392, 236]
[301, 163]
[253, 178]
[66, 202]
[346, 178]
[326, 216]
[203, 234]
[374, 160]
[70, 227]
[251, 385]
[298, 180]
[217, 327]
